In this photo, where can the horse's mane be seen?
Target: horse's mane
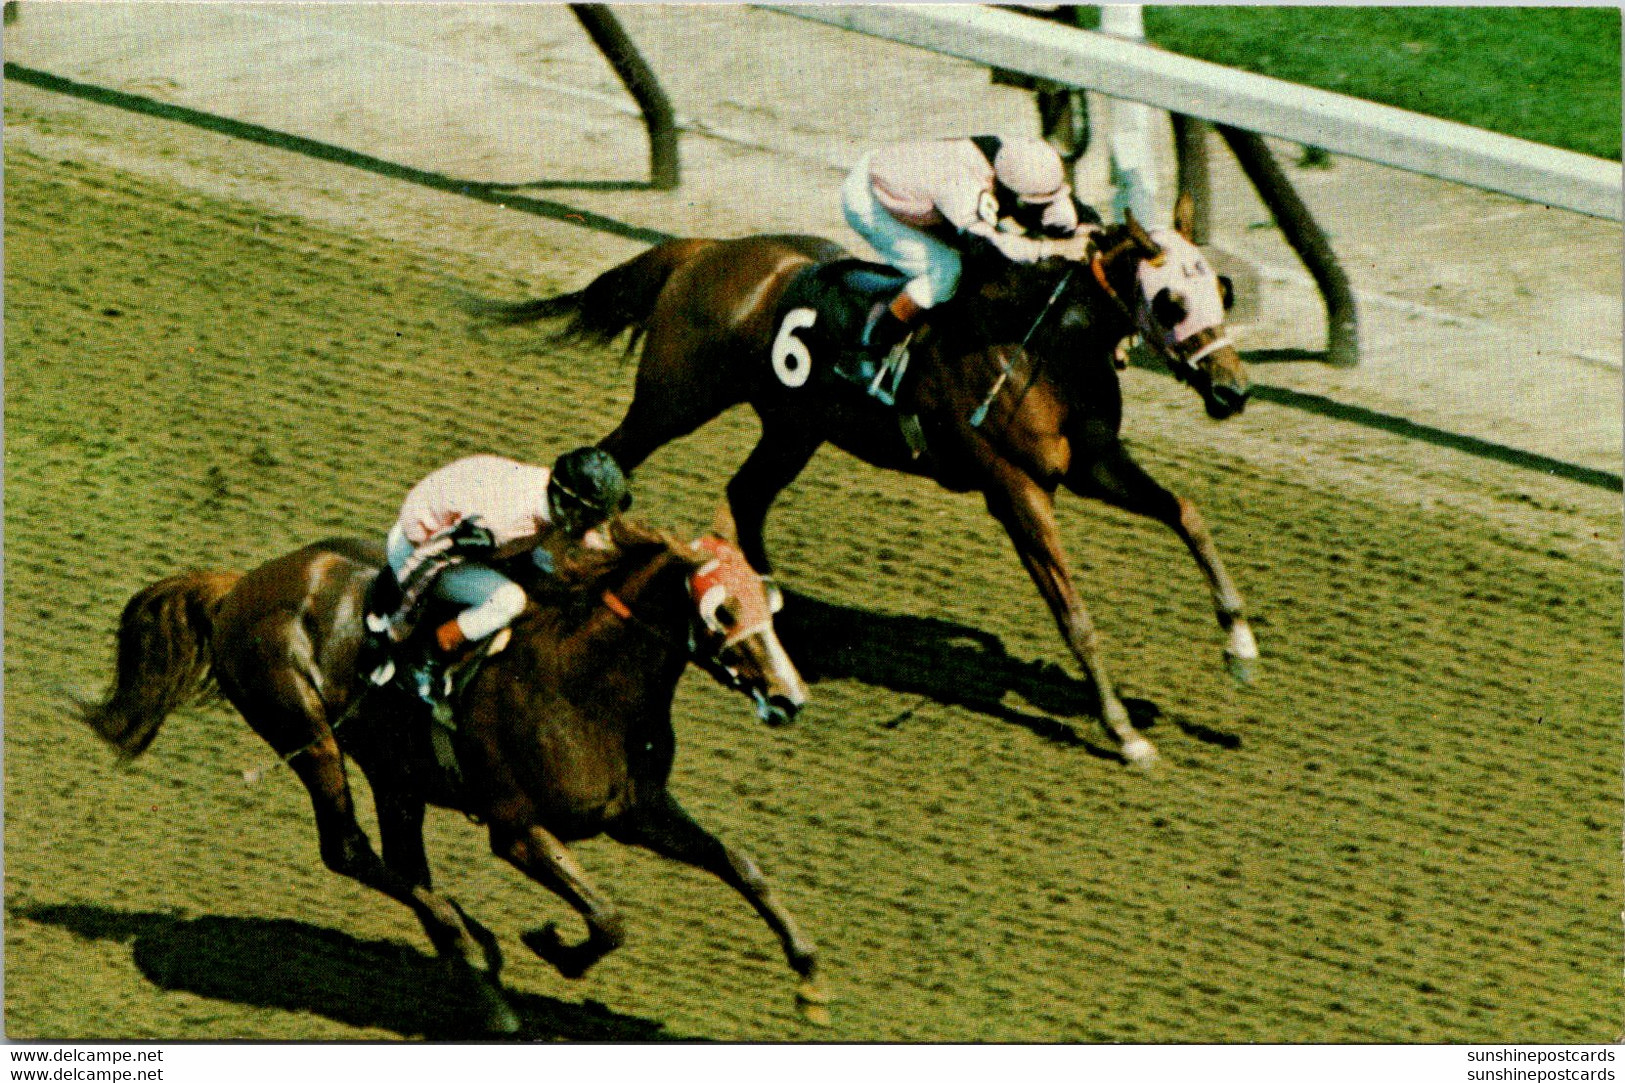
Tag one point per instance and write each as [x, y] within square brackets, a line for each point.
[579, 573]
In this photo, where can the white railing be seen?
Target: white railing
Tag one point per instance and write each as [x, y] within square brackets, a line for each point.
[1335, 122]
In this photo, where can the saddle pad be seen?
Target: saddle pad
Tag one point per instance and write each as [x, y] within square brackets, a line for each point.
[822, 315]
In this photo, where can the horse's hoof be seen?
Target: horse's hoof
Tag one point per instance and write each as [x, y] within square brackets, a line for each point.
[1244, 670]
[1141, 754]
[495, 1014]
[1241, 653]
[570, 960]
[547, 943]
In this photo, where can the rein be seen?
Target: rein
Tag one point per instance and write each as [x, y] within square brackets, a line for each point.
[979, 415]
[617, 606]
[1097, 264]
[711, 665]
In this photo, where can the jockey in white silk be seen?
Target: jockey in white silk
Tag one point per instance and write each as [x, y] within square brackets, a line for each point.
[916, 202]
[513, 504]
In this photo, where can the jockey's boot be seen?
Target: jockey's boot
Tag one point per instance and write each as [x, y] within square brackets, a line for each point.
[887, 334]
[429, 673]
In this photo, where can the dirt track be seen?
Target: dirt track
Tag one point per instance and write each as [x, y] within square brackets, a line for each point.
[216, 351]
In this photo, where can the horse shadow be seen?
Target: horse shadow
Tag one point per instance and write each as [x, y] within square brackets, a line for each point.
[295, 966]
[954, 665]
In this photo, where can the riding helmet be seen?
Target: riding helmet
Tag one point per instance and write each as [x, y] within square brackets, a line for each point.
[588, 486]
[1030, 169]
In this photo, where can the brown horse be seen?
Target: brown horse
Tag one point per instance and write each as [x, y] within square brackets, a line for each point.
[564, 735]
[1013, 385]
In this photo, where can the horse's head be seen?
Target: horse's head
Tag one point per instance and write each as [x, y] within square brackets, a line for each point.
[734, 639]
[1179, 306]
[700, 600]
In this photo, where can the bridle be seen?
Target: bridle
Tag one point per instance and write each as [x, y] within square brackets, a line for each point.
[703, 647]
[1098, 261]
[1187, 351]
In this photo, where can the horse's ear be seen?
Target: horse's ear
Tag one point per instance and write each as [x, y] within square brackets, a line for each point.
[1185, 217]
[1142, 239]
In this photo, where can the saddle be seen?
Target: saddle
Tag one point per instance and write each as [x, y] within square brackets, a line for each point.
[820, 326]
[822, 317]
[398, 620]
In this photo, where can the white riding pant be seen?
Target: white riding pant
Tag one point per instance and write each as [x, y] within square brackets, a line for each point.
[493, 599]
[933, 267]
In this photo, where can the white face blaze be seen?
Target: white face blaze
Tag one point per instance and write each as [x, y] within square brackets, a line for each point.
[735, 604]
[1194, 284]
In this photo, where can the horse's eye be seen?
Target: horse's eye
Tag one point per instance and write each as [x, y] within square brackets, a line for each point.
[1168, 308]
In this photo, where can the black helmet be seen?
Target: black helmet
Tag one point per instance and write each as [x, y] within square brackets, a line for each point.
[587, 487]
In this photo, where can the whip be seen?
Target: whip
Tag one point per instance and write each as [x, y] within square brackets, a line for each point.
[979, 414]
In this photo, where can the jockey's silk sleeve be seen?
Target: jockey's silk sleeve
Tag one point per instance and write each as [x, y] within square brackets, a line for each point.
[509, 496]
[1015, 246]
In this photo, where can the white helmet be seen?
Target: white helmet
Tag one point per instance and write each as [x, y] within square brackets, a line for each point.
[1031, 169]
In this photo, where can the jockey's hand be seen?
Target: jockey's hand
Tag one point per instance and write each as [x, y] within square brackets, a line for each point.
[1075, 247]
[470, 537]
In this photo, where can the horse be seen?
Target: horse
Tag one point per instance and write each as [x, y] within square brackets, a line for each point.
[1013, 390]
[563, 735]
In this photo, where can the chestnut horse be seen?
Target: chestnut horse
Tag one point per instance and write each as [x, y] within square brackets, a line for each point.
[563, 735]
[1013, 385]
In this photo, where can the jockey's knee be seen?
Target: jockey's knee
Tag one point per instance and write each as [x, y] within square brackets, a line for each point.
[495, 613]
[937, 284]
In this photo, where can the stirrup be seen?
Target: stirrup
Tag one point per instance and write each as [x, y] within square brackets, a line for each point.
[855, 366]
[890, 371]
[430, 684]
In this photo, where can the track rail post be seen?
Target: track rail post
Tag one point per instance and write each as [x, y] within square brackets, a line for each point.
[639, 79]
[1306, 238]
[1190, 155]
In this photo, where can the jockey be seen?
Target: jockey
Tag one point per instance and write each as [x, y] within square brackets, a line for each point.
[487, 508]
[920, 204]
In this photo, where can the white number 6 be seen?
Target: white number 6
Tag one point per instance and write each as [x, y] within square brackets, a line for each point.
[792, 360]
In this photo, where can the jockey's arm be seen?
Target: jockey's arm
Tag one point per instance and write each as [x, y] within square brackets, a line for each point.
[596, 538]
[1022, 249]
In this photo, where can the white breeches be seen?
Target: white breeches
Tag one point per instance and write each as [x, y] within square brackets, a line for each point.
[933, 267]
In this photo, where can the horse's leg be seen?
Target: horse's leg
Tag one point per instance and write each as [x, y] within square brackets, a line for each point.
[470, 956]
[287, 713]
[1027, 513]
[781, 454]
[660, 824]
[1114, 477]
[677, 390]
[535, 852]
[346, 850]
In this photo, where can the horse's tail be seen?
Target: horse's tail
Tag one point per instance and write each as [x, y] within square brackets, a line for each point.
[620, 299]
[163, 658]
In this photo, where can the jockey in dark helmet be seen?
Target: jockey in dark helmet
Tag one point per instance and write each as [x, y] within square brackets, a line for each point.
[486, 508]
[587, 487]
[921, 204]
